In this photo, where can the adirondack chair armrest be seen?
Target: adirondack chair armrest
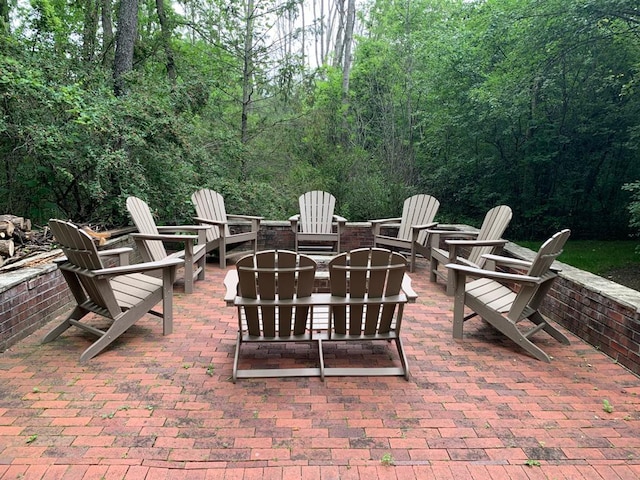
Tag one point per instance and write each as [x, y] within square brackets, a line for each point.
[452, 233]
[426, 226]
[115, 251]
[476, 243]
[507, 261]
[340, 220]
[376, 225]
[294, 219]
[166, 237]
[231, 283]
[416, 229]
[121, 253]
[500, 260]
[208, 221]
[408, 289]
[138, 267]
[200, 230]
[463, 270]
[250, 218]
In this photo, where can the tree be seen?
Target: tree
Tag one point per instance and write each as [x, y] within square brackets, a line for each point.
[125, 43]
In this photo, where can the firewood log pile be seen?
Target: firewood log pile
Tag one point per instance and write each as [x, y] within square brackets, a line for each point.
[18, 240]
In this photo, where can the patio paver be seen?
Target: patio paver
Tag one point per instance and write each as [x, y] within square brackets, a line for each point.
[164, 407]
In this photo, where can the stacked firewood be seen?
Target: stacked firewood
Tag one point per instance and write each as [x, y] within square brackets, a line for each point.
[18, 240]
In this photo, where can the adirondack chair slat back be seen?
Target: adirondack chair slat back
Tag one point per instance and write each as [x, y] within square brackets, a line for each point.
[143, 219]
[370, 273]
[209, 204]
[316, 212]
[417, 210]
[495, 223]
[275, 275]
[530, 296]
[82, 258]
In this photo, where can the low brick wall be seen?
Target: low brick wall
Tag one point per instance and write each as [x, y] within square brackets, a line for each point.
[601, 312]
[30, 297]
[275, 234]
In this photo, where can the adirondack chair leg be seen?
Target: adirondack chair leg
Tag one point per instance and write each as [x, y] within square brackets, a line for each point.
[117, 328]
[222, 251]
[451, 285]
[201, 267]
[412, 265]
[458, 305]
[236, 358]
[188, 268]
[403, 357]
[76, 314]
[538, 319]
[512, 331]
[320, 352]
[433, 270]
[167, 300]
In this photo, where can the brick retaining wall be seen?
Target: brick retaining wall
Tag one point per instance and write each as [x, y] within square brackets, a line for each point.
[28, 300]
[601, 312]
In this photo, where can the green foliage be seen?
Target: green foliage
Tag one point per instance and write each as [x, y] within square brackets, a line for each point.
[595, 256]
[387, 460]
[634, 205]
[533, 104]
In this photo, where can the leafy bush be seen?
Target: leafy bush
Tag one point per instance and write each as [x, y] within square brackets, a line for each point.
[634, 205]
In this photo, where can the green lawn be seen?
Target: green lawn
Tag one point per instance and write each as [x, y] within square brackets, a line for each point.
[596, 256]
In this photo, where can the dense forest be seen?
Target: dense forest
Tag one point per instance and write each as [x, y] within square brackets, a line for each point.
[530, 103]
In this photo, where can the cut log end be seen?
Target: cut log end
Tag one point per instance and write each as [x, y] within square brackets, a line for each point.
[7, 248]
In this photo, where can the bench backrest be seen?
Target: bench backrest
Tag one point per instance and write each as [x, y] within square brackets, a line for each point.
[275, 279]
[371, 279]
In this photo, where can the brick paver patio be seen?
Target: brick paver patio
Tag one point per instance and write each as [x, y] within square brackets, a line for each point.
[164, 407]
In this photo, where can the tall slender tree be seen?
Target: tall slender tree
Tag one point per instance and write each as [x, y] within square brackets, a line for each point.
[125, 43]
[165, 29]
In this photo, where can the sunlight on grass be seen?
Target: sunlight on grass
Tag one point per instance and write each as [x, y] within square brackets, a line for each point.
[595, 256]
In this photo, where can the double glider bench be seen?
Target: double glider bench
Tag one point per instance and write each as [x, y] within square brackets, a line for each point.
[274, 293]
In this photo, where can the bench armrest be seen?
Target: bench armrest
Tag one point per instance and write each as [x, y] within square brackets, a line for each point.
[231, 283]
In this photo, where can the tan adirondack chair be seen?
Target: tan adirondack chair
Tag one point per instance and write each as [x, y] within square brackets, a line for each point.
[150, 240]
[273, 298]
[122, 294]
[418, 213]
[210, 210]
[509, 301]
[369, 289]
[476, 244]
[316, 221]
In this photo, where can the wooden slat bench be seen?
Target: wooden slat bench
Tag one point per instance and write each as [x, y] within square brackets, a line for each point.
[310, 316]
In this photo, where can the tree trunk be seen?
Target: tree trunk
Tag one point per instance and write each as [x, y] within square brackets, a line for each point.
[247, 71]
[4, 18]
[125, 42]
[107, 33]
[339, 50]
[90, 30]
[166, 42]
[348, 40]
[247, 80]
